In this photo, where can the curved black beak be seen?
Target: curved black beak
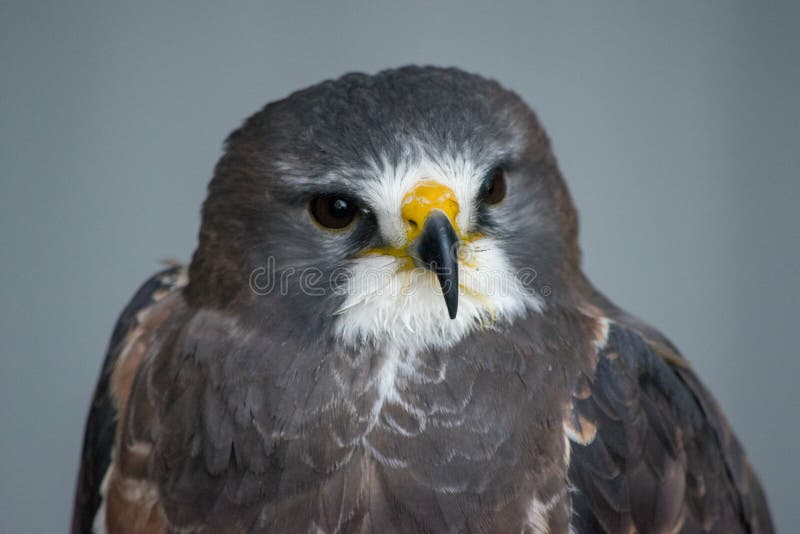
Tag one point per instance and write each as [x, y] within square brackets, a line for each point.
[437, 249]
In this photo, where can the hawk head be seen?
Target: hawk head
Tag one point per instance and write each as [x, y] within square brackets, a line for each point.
[410, 207]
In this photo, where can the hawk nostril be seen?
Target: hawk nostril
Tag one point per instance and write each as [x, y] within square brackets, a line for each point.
[412, 223]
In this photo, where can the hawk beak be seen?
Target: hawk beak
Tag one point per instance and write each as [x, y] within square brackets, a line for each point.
[430, 210]
[436, 249]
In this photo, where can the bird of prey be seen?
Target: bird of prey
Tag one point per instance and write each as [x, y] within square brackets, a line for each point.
[385, 327]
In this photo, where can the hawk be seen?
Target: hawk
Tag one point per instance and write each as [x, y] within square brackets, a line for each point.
[385, 328]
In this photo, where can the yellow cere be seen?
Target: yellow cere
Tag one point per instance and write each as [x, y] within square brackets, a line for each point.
[417, 204]
[425, 197]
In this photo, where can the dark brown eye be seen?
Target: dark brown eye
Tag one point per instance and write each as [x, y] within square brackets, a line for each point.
[496, 187]
[332, 211]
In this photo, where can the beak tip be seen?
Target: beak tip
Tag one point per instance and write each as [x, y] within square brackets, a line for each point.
[437, 249]
[449, 286]
[452, 311]
[451, 301]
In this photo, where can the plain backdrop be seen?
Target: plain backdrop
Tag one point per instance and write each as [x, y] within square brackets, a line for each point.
[677, 127]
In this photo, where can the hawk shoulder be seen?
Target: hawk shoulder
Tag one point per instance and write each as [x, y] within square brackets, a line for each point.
[126, 342]
[651, 450]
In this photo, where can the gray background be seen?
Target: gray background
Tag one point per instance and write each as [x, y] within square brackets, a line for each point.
[677, 128]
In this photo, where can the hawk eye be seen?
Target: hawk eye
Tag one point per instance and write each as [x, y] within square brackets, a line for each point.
[333, 211]
[495, 188]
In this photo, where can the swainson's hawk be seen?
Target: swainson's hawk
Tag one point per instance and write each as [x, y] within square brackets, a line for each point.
[385, 328]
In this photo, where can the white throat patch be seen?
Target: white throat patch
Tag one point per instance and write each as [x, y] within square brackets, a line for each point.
[388, 303]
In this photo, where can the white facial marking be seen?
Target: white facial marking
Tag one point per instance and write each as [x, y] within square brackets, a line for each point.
[385, 194]
[404, 307]
[389, 303]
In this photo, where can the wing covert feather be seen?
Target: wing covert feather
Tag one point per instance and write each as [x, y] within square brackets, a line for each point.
[651, 451]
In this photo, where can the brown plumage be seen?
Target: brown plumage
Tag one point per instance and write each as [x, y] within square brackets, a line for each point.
[231, 410]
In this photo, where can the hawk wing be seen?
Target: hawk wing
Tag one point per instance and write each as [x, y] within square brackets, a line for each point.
[651, 450]
[98, 438]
